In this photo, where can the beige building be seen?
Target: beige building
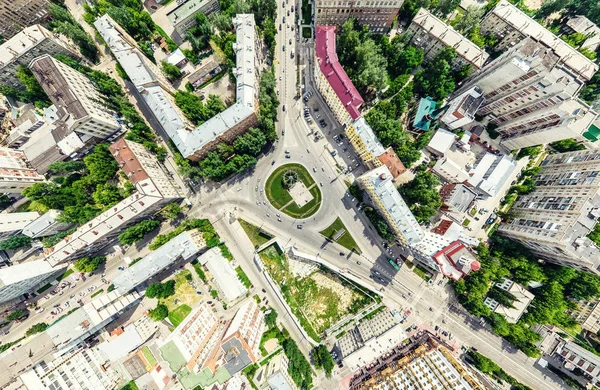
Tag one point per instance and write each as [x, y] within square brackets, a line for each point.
[18, 14]
[16, 173]
[377, 14]
[432, 35]
[30, 43]
[78, 103]
[554, 220]
[184, 16]
[274, 375]
[587, 315]
[524, 91]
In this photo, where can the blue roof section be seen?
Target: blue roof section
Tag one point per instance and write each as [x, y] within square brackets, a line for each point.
[426, 108]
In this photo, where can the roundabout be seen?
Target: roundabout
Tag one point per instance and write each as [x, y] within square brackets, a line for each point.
[291, 189]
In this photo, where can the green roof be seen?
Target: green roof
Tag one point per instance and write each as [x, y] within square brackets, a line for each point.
[426, 107]
[205, 378]
[592, 133]
[171, 354]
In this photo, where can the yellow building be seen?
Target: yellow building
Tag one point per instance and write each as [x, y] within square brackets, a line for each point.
[365, 142]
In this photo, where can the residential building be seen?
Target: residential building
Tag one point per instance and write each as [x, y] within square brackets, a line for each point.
[154, 90]
[370, 339]
[524, 87]
[182, 247]
[184, 16]
[78, 103]
[511, 26]
[19, 14]
[583, 363]
[587, 314]
[332, 81]
[13, 223]
[80, 369]
[424, 362]
[16, 173]
[522, 299]
[581, 24]
[46, 225]
[461, 110]
[491, 173]
[568, 119]
[28, 44]
[439, 254]
[126, 339]
[380, 188]
[378, 15]
[365, 142]
[154, 190]
[429, 33]
[454, 231]
[390, 159]
[441, 142]
[223, 273]
[274, 375]
[205, 73]
[457, 197]
[28, 122]
[24, 278]
[554, 220]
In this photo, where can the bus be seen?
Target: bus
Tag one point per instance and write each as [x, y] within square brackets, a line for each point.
[393, 263]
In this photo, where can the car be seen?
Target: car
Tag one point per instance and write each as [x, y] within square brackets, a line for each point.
[283, 49]
[292, 8]
[290, 41]
[268, 215]
[299, 226]
[358, 262]
[381, 280]
[121, 268]
[283, 107]
[315, 169]
[279, 219]
[321, 183]
[342, 253]
[256, 188]
[284, 19]
[279, 26]
[287, 156]
[39, 310]
[307, 150]
[282, 132]
[377, 273]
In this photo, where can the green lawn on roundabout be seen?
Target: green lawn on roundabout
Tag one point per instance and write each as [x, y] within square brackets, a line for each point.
[279, 196]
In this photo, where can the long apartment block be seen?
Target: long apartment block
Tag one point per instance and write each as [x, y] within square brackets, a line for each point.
[554, 220]
[379, 15]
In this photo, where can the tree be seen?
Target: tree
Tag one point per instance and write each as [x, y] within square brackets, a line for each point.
[370, 68]
[298, 368]
[37, 328]
[221, 21]
[161, 290]
[323, 359]
[445, 7]
[200, 34]
[271, 319]
[411, 7]
[435, 79]
[583, 286]
[61, 167]
[107, 195]
[469, 20]
[15, 242]
[214, 105]
[171, 211]
[171, 71]
[192, 107]
[567, 145]
[159, 313]
[87, 264]
[15, 315]
[100, 164]
[251, 142]
[405, 60]
[422, 195]
[137, 232]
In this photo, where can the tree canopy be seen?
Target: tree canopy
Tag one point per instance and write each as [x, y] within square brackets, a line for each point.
[161, 290]
[15, 315]
[15, 242]
[567, 145]
[298, 368]
[159, 313]
[87, 264]
[323, 359]
[37, 328]
[436, 79]
[137, 232]
[200, 34]
[171, 71]
[422, 194]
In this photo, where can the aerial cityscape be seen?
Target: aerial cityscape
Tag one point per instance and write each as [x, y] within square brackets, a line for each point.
[296, 195]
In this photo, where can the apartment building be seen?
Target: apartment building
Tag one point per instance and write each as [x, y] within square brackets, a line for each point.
[378, 15]
[19, 14]
[13, 223]
[511, 26]
[554, 220]
[24, 278]
[332, 81]
[380, 188]
[46, 225]
[461, 110]
[581, 24]
[154, 190]
[16, 173]
[30, 43]
[440, 254]
[429, 33]
[423, 363]
[78, 103]
[522, 300]
[184, 16]
[365, 142]
[224, 275]
[274, 375]
[587, 314]
[154, 89]
[579, 360]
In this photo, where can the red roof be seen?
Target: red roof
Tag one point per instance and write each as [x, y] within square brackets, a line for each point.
[391, 160]
[333, 71]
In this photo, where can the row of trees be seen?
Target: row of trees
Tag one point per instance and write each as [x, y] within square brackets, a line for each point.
[137, 232]
[15, 242]
[322, 359]
[63, 22]
[161, 290]
[561, 287]
[87, 264]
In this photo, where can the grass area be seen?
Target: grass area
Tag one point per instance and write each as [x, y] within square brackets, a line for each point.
[466, 222]
[184, 293]
[306, 12]
[65, 275]
[243, 277]
[319, 300]
[473, 212]
[345, 239]
[279, 196]
[422, 273]
[44, 288]
[149, 356]
[306, 32]
[129, 386]
[97, 293]
[178, 315]
[256, 235]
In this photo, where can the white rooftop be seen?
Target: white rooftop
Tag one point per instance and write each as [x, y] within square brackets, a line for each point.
[22, 42]
[492, 172]
[450, 37]
[176, 57]
[441, 141]
[185, 245]
[375, 347]
[366, 134]
[10, 222]
[526, 25]
[20, 272]
[224, 274]
[40, 224]
[386, 191]
[120, 346]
